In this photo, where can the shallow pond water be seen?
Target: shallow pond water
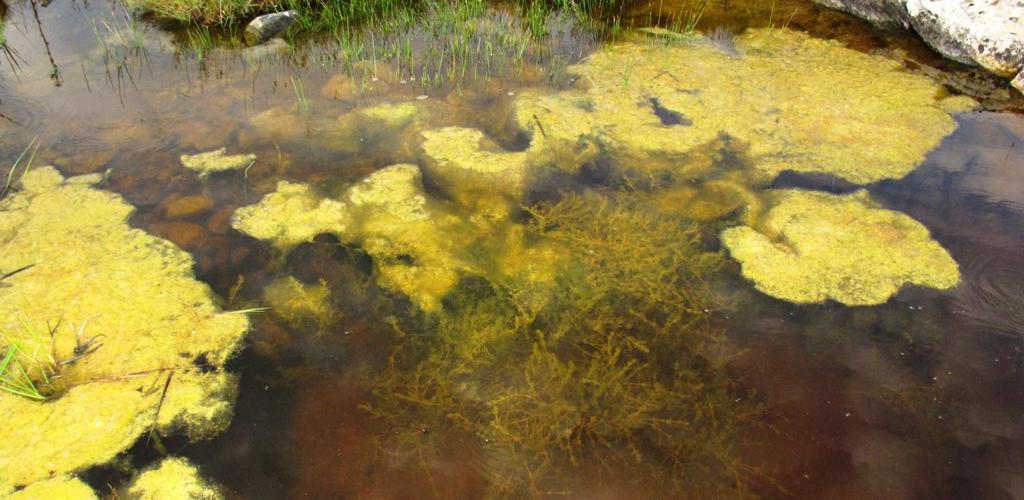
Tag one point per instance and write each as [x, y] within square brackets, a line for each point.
[919, 397]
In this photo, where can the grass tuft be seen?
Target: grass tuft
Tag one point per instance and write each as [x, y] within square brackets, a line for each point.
[12, 178]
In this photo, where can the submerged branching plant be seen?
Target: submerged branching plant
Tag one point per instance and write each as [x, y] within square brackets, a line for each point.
[613, 366]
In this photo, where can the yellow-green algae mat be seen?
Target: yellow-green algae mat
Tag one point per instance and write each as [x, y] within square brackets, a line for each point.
[811, 246]
[389, 215]
[173, 479]
[96, 278]
[794, 102]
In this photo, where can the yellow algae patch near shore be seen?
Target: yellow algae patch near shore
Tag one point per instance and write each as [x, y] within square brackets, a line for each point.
[216, 161]
[173, 479]
[152, 333]
[63, 488]
[810, 247]
[797, 102]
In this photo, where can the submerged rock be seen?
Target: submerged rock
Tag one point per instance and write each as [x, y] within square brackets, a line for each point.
[810, 247]
[347, 133]
[129, 340]
[796, 103]
[173, 479]
[263, 27]
[177, 207]
[353, 130]
[216, 161]
[269, 48]
[279, 124]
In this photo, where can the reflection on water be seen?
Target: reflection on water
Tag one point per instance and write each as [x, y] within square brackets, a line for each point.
[918, 397]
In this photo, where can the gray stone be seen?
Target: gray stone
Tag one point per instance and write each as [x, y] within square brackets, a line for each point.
[882, 13]
[268, 25]
[1018, 82]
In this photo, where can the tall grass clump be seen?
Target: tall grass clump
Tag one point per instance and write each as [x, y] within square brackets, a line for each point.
[28, 367]
[209, 12]
[13, 177]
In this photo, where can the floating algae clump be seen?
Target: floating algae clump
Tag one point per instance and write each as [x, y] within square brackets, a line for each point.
[216, 161]
[471, 168]
[290, 215]
[387, 214]
[811, 246]
[409, 236]
[124, 339]
[587, 378]
[173, 479]
[300, 303]
[408, 240]
[468, 164]
[798, 102]
[63, 488]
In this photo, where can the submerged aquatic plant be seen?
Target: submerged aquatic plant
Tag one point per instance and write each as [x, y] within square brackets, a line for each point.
[614, 365]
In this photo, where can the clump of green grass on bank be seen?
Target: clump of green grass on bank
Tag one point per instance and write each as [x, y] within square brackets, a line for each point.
[336, 14]
[206, 12]
[450, 43]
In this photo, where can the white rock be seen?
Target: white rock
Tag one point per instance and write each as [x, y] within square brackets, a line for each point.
[986, 33]
[989, 33]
